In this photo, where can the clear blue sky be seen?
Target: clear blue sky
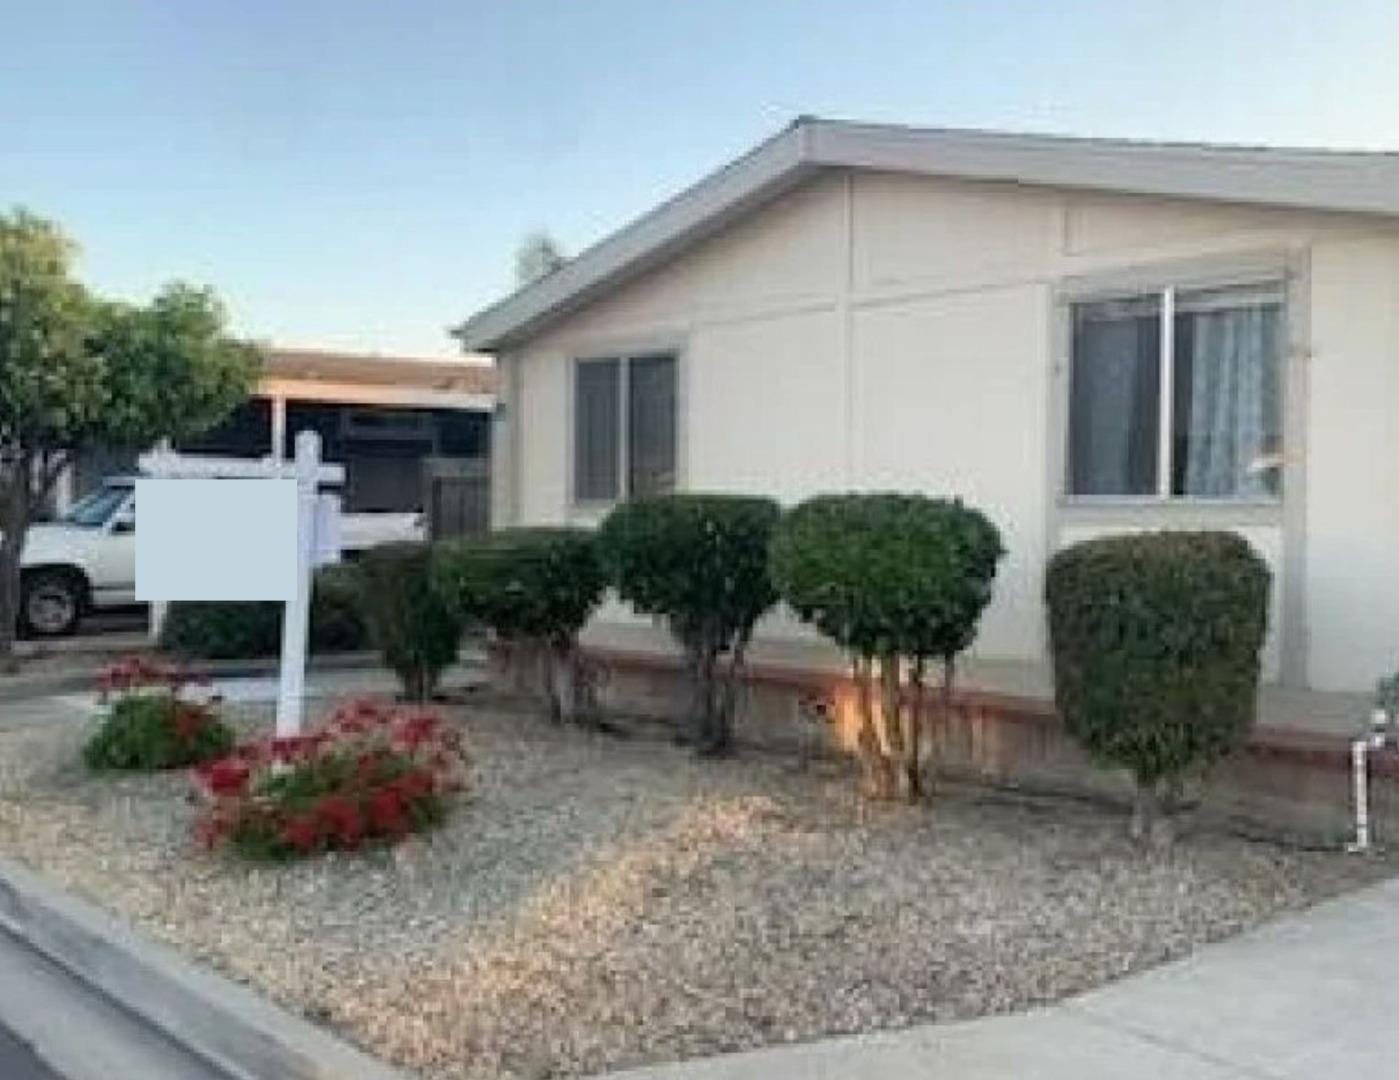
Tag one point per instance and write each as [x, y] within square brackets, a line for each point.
[358, 173]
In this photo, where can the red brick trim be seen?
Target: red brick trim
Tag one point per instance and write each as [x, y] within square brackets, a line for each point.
[1305, 748]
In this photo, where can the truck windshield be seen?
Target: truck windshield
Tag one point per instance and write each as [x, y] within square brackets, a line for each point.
[93, 510]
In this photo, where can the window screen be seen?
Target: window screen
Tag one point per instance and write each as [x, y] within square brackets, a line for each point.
[651, 425]
[597, 435]
[1114, 411]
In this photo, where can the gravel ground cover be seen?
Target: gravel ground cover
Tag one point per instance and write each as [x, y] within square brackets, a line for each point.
[603, 902]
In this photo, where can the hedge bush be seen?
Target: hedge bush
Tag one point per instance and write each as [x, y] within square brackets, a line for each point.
[219, 630]
[1156, 641]
[411, 624]
[898, 580]
[534, 589]
[149, 725]
[701, 563]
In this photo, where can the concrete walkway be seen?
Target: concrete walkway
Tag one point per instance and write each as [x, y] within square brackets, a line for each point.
[1311, 996]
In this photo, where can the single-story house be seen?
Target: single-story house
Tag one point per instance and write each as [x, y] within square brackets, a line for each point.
[1079, 336]
[401, 426]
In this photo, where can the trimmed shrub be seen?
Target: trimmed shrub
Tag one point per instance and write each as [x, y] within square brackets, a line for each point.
[898, 580]
[1155, 639]
[534, 589]
[220, 630]
[410, 623]
[370, 775]
[701, 563]
[149, 725]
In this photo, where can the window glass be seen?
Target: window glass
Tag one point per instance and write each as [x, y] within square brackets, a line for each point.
[597, 435]
[1114, 410]
[651, 425]
[1227, 417]
[93, 510]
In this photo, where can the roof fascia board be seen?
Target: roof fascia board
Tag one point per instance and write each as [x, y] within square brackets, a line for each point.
[1358, 183]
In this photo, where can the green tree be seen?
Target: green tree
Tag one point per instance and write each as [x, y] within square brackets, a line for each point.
[700, 562]
[534, 589]
[1156, 640]
[538, 256]
[899, 581]
[78, 371]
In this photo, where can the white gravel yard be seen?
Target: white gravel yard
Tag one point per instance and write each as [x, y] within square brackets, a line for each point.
[603, 902]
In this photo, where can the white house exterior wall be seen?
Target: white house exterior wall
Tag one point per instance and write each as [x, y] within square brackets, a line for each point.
[884, 331]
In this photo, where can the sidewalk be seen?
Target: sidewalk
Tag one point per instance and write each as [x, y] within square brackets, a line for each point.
[1311, 996]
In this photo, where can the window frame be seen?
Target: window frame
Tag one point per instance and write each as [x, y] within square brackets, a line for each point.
[623, 358]
[1166, 288]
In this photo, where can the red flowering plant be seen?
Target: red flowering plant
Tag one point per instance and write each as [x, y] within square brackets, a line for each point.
[149, 723]
[371, 773]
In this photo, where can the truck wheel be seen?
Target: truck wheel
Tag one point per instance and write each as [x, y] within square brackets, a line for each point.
[51, 602]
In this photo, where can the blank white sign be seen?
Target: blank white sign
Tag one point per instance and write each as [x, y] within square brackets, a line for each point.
[215, 539]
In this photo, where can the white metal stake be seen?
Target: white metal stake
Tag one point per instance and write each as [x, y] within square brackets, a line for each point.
[292, 684]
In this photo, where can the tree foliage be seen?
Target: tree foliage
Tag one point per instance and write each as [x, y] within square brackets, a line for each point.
[538, 256]
[1156, 641]
[898, 580]
[534, 589]
[410, 622]
[701, 563]
[77, 371]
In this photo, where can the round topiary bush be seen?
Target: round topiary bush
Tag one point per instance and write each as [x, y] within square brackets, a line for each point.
[533, 588]
[701, 563]
[898, 580]
[1156, 640]
[223, 630]
[414, 628]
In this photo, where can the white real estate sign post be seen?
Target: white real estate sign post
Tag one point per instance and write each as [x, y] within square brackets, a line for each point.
[228, 529]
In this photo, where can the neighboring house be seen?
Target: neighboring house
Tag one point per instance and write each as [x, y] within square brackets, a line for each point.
[396, 424]
[413, 435]
[1078, 336]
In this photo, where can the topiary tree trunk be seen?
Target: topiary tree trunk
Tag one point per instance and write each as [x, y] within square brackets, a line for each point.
[714, 693]
[892, 716]
[14, 522]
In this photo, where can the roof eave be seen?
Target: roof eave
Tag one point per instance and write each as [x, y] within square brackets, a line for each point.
[700, 210]
[1298, 179]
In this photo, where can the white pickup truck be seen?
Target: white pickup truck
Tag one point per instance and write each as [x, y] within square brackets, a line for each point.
[86, 560]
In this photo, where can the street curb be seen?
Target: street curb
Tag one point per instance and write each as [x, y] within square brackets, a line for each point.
[24, 687]
[228, 1025]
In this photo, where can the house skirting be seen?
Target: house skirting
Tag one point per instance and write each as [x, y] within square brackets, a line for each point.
[1286, 782]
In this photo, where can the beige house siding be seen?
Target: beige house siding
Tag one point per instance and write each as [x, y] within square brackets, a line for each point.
[874, 330]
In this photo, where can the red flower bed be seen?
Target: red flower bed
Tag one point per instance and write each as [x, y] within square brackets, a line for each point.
[136, 673]
[371, 773]
[149, 724]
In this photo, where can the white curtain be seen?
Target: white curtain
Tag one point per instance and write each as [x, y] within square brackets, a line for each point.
[1232, 431]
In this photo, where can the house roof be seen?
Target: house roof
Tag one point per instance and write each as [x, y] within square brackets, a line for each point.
[373, 369]
[1350, 182]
